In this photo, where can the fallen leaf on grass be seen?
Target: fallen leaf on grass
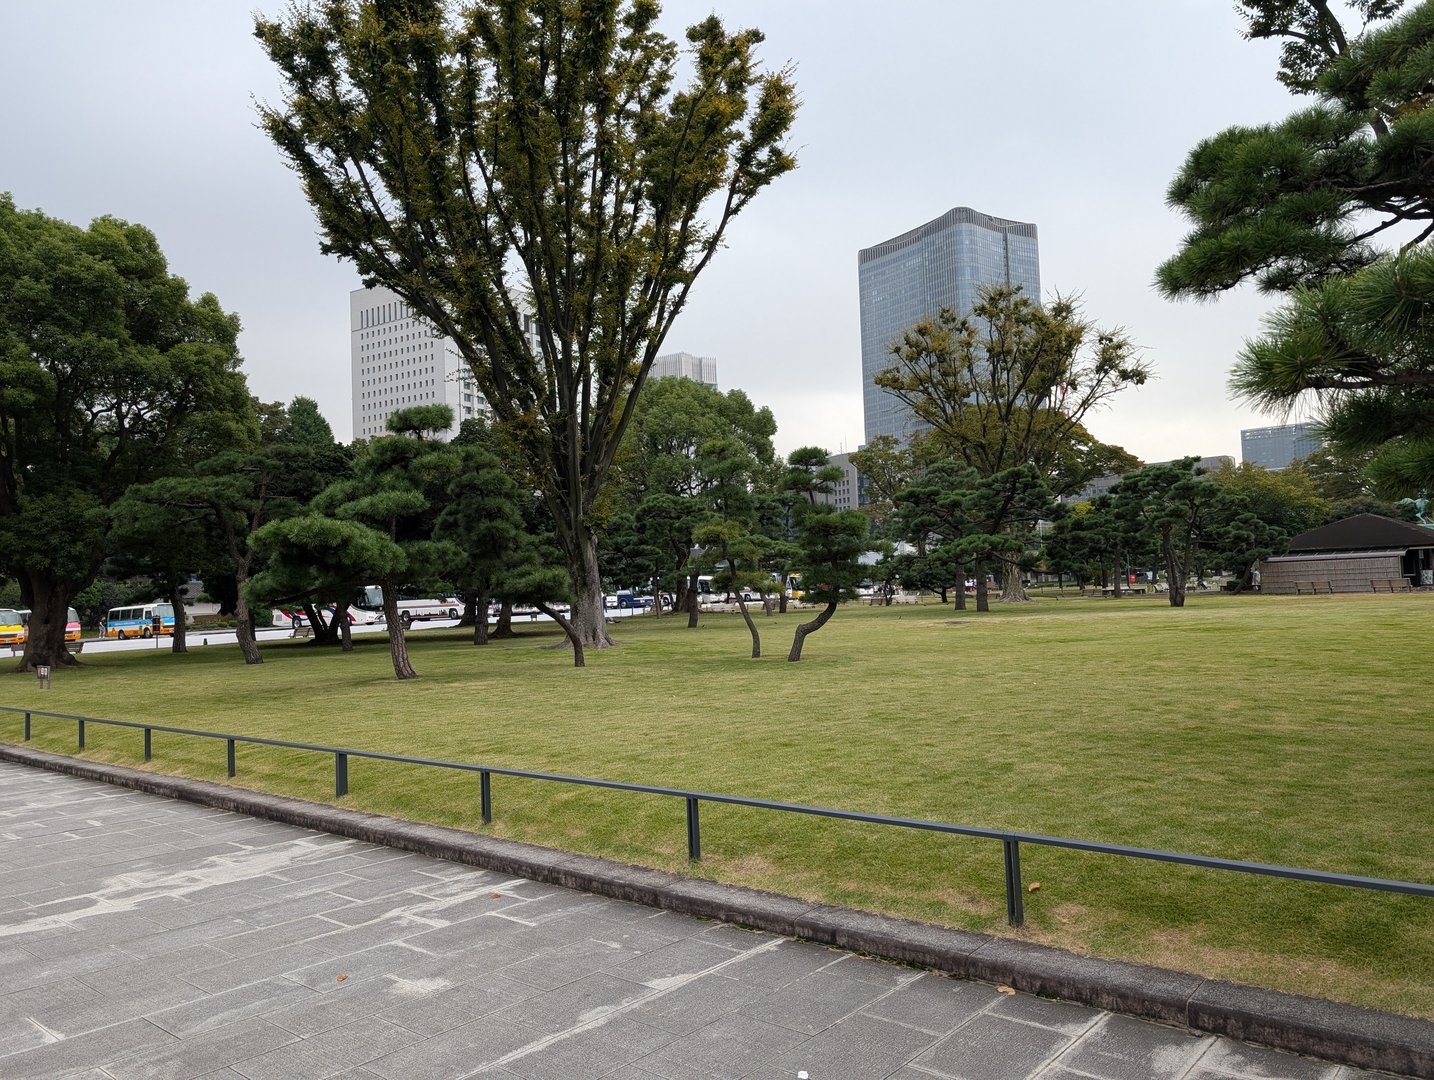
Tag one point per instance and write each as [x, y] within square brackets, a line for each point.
[1034, 886]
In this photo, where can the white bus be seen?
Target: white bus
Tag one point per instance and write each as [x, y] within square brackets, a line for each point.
[411, 609]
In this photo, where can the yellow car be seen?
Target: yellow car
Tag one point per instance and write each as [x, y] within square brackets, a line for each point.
[12, 627]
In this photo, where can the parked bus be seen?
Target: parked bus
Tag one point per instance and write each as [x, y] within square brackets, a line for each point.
[411, 608]
[140, 621]
[12, 627]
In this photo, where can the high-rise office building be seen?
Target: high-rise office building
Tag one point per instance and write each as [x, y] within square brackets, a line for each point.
[910, 277]
[1276, 447]
[399, 361]
[681, 365]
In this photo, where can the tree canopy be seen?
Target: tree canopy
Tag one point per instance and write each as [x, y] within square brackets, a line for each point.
[1008, 387]
[1305, 206]
[110, 375]
[531, 179]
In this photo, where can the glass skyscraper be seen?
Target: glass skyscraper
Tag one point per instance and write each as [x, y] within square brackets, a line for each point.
[912, 276]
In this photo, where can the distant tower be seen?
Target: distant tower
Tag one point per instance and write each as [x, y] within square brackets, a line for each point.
[1277, 447]
[399, 360]
[912, 276]
[681, 365]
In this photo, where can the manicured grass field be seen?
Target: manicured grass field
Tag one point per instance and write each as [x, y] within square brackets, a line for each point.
[1283, 730]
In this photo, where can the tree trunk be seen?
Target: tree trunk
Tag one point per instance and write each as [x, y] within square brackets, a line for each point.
[1012, 591]
[1175, 571]
[569, 631]
[803, 629]
[49, 600]
[589, 617]
[503, 628]
[751, 626]
[692, 610]
[346, 636]
[983, 595]
[181, 621]
[782, 601]
[470, 609]
[480, 619]
[656, 596]
[960, 586]
[244, 628]
[397, 646]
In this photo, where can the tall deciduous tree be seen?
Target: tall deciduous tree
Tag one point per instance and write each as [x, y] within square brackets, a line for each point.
[110, 374]
[1010, 385]
[517, 158]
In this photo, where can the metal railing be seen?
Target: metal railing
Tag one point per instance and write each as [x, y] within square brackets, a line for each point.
[1010, 841]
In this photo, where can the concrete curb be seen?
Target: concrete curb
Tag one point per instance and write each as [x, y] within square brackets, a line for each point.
[1346, 1034]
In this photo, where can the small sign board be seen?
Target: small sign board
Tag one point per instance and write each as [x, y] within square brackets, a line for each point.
[42, 672]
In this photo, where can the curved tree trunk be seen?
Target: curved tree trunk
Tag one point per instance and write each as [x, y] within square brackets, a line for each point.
[244, 630]
[751, 626]
[181, 621]
[803, 629]
[569, 631]
[397, 646]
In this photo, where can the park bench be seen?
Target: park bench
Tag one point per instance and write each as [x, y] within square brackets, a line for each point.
[1391, 584]
[303, 630]
[1312, 587]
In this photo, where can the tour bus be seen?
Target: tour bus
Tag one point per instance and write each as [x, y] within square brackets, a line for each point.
[73, 629]
[410, 608]
[140, 621]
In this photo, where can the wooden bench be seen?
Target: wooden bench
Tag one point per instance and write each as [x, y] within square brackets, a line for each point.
[303, 630]
[1312, 587]
[1391, 584]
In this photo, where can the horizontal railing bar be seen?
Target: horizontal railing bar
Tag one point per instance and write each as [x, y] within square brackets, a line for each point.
[1211, 862]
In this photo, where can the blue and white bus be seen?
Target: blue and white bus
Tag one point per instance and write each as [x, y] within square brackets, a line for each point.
[140, 621]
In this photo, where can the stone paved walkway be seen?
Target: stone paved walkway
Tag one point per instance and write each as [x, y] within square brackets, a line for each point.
[145, 937]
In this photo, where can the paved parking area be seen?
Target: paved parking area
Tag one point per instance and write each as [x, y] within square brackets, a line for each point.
[145, 937]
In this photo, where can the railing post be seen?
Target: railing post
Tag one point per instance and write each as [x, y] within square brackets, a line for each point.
[485, 795]
[694, 833]
[341, 775]
[148, 743]
[231, 756]
[82, 734]
[1015, 911]
[27, 727]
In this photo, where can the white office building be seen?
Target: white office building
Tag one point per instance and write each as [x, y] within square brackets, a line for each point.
[681, 365]
[399, 361]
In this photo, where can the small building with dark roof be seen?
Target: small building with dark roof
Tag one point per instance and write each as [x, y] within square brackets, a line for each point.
[1353, 553]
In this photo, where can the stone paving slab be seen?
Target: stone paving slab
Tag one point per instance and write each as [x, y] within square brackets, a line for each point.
[218, 948]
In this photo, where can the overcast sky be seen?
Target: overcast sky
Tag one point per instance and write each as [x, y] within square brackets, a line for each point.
[1070, 115]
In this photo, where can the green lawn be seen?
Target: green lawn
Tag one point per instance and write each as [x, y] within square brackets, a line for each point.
[1286, 730]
